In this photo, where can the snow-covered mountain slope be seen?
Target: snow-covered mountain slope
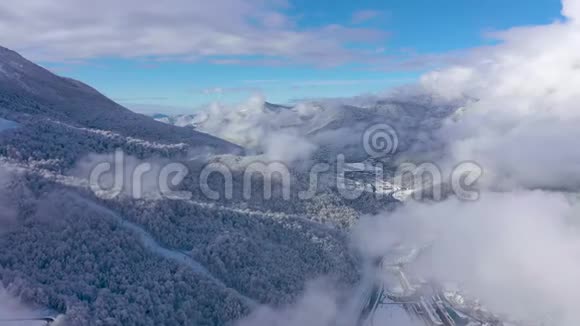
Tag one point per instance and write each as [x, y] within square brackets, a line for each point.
[326, 126]
[138, 261]
[244, 253]
[28, 90]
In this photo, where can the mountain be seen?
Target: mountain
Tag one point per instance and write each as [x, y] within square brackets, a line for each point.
[197, 120]
[127, 260]
[331, 126]
[28, 89]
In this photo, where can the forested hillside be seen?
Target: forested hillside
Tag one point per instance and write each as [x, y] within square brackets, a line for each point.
[125, 261]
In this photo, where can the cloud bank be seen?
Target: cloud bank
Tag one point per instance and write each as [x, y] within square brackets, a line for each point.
[235, 30]
[259, 127]
[521, 122]
[517, 249]
[519, 253]
[318, 306]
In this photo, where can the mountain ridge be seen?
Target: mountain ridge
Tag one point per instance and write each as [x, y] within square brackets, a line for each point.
[27, 88]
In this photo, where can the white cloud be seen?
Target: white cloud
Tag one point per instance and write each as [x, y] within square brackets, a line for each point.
[182, 29]
[571, 9]
[254, 126]
[522, 123]
[11, 308]
[325, 303]
[288, 146]
[317, 307]
[517, 252]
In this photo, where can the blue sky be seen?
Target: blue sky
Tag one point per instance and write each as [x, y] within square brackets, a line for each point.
[179, 57]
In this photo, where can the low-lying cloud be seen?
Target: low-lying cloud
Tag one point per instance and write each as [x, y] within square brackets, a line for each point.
[15, 313]
[275, 134]
[519, 252]
[517, 249]
[521, 122]
[318, 306]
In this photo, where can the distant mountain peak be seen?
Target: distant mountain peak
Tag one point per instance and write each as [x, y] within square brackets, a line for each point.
[275, 107]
